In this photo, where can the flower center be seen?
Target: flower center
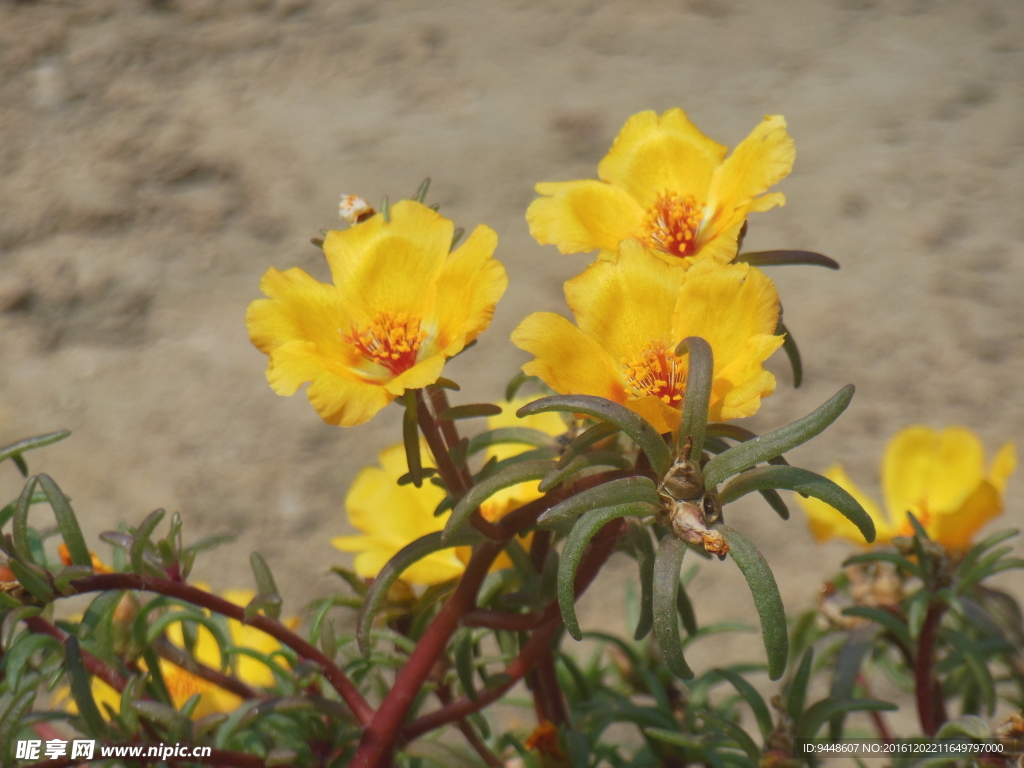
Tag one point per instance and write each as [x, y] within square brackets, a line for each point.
[391, 340]
[672, 224]
[656, 371]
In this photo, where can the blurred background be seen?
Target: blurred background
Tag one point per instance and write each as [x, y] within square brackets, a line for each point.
[157, 157]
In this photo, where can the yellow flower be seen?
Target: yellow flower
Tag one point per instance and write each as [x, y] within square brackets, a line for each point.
[630, 316]
[182, 684]
[668, 185]
[390, 516]
[400, 305]
[938, 476]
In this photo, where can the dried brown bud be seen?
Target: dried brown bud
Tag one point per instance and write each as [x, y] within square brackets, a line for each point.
[683, 482]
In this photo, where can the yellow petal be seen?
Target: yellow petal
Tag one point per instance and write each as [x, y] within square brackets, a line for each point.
[337, 398]
[566, 359]
[423, 374]
[929, 472]
[827, 523]
[469, 287]
[580, 216]
[737, 390]
[955, 530]
[393, 266]
[1003, 465]
[762, 159]
[628, 304]
[299, 308]
[655, 154]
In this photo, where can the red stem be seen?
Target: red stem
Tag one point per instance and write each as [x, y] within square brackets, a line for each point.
[379, 737]
[538, 645]
[878, 718]
[930, 706]
[93, 665]
[349, 693]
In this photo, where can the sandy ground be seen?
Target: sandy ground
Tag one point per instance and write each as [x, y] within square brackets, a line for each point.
[157, 157]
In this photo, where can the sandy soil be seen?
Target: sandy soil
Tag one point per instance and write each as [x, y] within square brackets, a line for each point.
[157, 157]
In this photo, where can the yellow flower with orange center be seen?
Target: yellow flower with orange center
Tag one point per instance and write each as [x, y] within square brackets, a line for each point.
[400, 305]
[389, 516]
[938, 476]
[631, 315]
[670, 186]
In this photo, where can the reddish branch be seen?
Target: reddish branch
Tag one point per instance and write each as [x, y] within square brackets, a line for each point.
[94, 666]
[179, 658]
[931, 709]
[535, 649]
[122, 581]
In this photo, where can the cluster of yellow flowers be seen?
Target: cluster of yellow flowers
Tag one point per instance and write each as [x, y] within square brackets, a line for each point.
[666, 217]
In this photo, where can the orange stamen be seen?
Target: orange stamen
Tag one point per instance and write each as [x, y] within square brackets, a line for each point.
[656, 371]
[672, 224]
[391, 340]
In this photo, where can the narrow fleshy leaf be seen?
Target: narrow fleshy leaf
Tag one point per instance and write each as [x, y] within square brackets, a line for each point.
[513, 474]
[19, 525]
[793, 353]
[823, 711]
[786, 258]
[81, 687]
[394, 568]
[141, 541]
[444, 383]
[740, 435]
[971, 726]
[515, 383]
[975, 662]
[515, 435]
[698, 392]
[667, 562]
[797, 693]
[888, 621]
[767, 599]
[581, 463]
[269, 604]
[33, 579]
[685, 607]
[757, 704]
[12, 721]
[31, 443]
[457, 237]
[884, 557]
[805, 482]
[471, 411]
[638, 539]
[642, 433]
[733, 731]
[10, 626]
[421, 193]
[66, 521]
[411, 438]
[587, 438]
[622, 491]
[849, 660]
[575, 545]
[775, 502]
[463, 656]
[765, 447]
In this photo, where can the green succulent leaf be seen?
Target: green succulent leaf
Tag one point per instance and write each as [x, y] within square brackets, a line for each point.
[823, 711]
[698, 393]
[575, 545]
[642, 433]
[767, 599]
[797, 693]
[587, 438]
[378, 591]
[15, 450]
[638, 539]
[667, 562]
[266, 585]
[470, 411]
[411, 438]
[141, 541]
[786, 258]
[793, 354]
[66, 521]
[622, 491]
[505, 435]
[582, 463]
[802, 481]
[768, 446]
[757, 704]
[512, 474]
[81, 687]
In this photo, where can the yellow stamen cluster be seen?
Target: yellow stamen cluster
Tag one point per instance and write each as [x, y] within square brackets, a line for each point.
[391, 340]
[672, 223]
[656, 371]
